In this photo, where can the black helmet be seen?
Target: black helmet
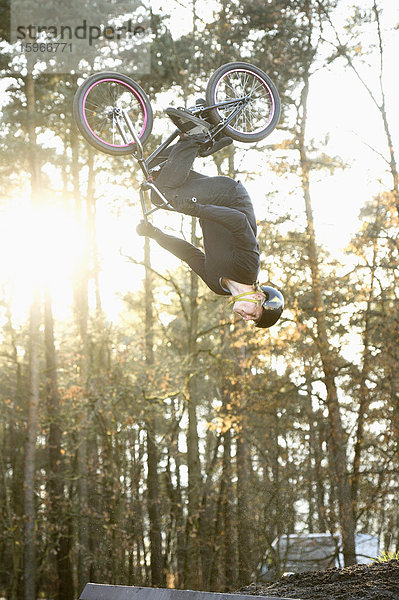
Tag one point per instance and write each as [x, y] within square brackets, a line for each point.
[272, 307]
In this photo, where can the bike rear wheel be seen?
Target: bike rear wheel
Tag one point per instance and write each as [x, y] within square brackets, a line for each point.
[98, 106]
[240, 81]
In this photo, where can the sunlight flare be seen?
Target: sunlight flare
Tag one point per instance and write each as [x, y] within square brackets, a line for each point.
[40, 246]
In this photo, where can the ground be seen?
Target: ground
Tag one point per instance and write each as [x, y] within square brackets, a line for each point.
[377, 581]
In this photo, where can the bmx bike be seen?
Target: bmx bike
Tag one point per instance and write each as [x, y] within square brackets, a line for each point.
[114, 114]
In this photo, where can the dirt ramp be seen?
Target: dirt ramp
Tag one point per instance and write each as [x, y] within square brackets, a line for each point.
[377, 581]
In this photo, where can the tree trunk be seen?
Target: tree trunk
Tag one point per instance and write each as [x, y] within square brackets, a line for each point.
[157, 578]
[58, 510]
[243, 512]
[92, 229]
[153, 507]
[81, 315]
[364, 394]
[337, 441]
[315, 453]
[193, 570]
[34, 351]
[30, 452]
[13, 501]
[243, 508]
[177, 501]
[229, 558]
[138, 518]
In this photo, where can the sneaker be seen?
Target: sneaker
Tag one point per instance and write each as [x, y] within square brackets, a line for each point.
[207, 150]
[186, 122]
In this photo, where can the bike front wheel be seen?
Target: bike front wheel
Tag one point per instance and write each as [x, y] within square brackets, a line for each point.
[240, 83]
[98, 108]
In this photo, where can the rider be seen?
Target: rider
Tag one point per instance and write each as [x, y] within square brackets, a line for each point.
[230, 263]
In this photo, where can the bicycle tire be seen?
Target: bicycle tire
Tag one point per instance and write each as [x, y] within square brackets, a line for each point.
[260, 116]
[94, 108]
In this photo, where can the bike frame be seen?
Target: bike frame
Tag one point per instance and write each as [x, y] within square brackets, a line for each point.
[122, 118]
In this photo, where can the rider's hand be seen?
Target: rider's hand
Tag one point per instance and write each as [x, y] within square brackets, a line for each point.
[146, 228]
[186, 206]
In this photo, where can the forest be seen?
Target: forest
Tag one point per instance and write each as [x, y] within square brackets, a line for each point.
[170, 444]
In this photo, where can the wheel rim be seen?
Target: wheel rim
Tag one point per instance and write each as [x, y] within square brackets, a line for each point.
[258, 113]
[102, 104]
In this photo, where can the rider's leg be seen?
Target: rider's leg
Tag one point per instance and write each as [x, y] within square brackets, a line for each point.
[218, 190]
[236, 200]
[174, 181]
[190, 124]
[178, 165]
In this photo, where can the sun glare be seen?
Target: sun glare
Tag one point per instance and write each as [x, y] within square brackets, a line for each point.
[40, 246]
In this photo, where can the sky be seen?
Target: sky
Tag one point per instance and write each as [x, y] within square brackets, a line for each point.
[339, 109]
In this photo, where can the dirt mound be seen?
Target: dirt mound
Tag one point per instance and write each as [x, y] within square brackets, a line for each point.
[377, 581]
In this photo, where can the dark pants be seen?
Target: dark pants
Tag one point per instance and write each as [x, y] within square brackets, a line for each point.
[178, 180]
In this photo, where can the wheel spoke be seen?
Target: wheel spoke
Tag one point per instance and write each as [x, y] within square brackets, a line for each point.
[244, 120]
[252, 116]
[95, 112]
[241, 83]
[102, 92]
[111, 91]
[252, 87]
[255, 86]
[232, 88]
[102, 126]
[91, 102]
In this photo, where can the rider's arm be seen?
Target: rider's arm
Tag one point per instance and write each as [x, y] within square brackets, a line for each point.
[182, 249]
